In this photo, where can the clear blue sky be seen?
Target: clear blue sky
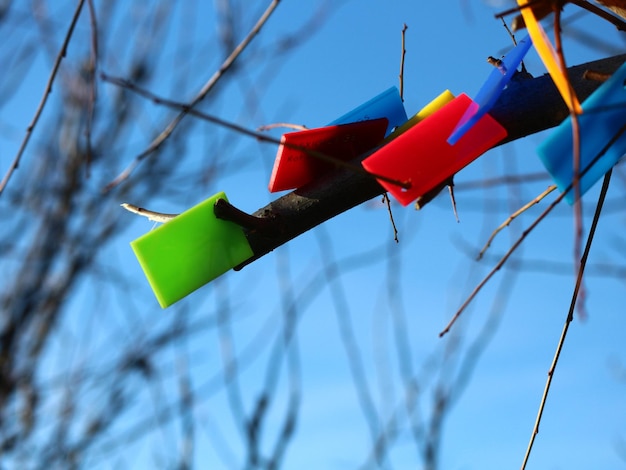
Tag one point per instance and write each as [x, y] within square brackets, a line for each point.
[353, 56]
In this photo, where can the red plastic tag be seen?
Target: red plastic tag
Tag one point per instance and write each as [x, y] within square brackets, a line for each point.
[423, 157]
[294, 167]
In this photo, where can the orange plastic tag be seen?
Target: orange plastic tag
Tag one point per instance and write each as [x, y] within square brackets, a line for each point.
[549, 57]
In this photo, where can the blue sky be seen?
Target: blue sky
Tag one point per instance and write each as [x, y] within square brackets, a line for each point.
[352, 57]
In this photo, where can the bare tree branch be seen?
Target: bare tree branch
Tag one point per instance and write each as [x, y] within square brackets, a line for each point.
[525, 107]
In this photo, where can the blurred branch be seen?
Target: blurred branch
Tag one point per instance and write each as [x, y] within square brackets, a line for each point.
[204, 91]
[44, 99]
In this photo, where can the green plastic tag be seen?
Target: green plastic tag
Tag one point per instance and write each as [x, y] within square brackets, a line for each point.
[189, 251]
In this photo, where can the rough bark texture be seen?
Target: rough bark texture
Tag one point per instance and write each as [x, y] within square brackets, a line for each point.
[528, 105]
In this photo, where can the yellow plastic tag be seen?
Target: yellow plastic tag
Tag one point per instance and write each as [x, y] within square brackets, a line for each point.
[549, 57]
[444, 98]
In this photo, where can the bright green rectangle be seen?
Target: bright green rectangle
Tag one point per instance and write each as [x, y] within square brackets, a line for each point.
[189, 251]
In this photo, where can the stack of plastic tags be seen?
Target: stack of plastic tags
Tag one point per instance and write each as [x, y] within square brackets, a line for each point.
[602, 138]
[422, 156]
[549, 57]
[189, 251]
[492, 89]
[295, 165]
[444, 98]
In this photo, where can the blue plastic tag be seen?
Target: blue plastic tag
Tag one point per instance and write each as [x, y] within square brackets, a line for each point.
[386, 105]
[491, 90]
[603, 118]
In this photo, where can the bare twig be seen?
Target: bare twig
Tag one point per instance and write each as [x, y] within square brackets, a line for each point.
[570, 314]
[512, 36]
[187, 109]
[267, 127]
[402, 54]
[387, 201]
[204, 91]
[453, 200]
[513, 216]
[42, 103]
[93, 66]
[150, 215]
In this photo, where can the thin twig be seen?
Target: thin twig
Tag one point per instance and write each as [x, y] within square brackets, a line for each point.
[513, 216]
[287, 125]
[204, 91]
[511, 35]
[93, 67]
[508, 30]
[187, 109]
[151, 215]
[453, 200]
[570, 314]
[402, 54]
[387, 201]
[42, 103]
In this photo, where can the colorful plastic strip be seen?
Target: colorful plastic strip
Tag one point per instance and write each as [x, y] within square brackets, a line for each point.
[440, 101]
[189, 251]
[422, 156]
[492, 89]
[549, 57]
[294, 167]
[603, 119]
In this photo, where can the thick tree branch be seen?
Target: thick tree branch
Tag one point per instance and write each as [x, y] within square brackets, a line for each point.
[527, 106]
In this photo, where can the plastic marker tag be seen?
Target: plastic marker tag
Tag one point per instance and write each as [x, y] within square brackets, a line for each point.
[386, 105]
[604, 116]
[549, 57]
[491, 90]
[189, 251]
[422, 114]
[423, 157]
[294, 167]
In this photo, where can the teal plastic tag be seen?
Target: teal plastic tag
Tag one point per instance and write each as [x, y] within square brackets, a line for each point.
[604, 116]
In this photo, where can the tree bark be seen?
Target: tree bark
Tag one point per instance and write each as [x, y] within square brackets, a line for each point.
[528, 105]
